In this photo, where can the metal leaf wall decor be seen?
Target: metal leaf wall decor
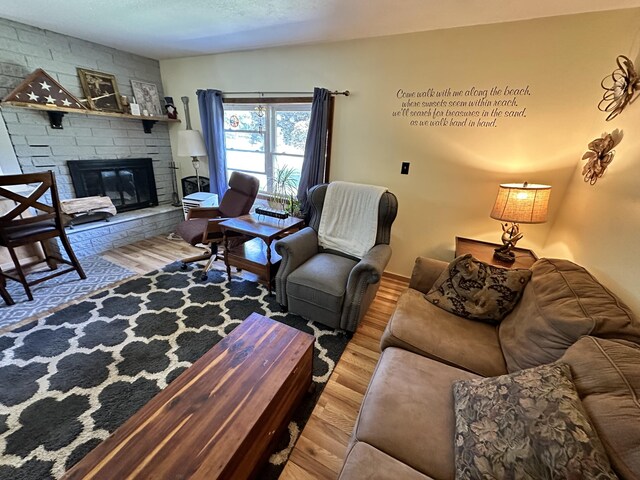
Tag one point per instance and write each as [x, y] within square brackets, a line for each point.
[621, 88]
[600, 155]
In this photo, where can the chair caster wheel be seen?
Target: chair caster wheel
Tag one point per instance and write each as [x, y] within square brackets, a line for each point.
[184, 266]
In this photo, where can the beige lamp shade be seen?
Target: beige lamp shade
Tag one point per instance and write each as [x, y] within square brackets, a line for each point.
[522, 203]
[190, 144]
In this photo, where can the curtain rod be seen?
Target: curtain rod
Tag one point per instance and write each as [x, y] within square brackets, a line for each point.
[346, 93]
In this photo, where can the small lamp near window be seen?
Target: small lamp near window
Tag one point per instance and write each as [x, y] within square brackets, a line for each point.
[518, 203]
[191, 144]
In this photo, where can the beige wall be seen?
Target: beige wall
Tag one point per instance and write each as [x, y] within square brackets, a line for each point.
[599, 226]
[455, 171]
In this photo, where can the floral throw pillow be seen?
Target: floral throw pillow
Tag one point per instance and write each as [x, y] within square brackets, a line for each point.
[478, 291]
[526, 425]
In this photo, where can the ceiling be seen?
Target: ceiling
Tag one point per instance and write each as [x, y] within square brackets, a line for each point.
[175, 28]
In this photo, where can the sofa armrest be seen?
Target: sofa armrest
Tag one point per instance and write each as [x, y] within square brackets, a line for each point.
[295, 249]
[425, 272]
[360, 285]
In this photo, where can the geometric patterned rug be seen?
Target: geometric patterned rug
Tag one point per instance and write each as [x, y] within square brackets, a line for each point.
[60, 290]
[70, 379]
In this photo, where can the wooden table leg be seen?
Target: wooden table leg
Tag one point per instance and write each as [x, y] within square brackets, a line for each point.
[268, 265]
[225, 240]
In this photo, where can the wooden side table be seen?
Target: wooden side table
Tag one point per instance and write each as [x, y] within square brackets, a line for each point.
[258, 255]
[483, 251]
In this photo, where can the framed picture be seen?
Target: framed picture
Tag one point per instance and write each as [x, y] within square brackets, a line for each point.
[147, 97]
[101, 90]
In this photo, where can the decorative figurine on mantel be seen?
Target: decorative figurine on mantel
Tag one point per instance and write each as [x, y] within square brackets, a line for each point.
[172, 111]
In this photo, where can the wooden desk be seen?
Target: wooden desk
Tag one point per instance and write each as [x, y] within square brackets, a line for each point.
[258, 255]
[219, 419]
[483, 251]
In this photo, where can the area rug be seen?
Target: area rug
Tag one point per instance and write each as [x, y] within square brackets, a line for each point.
[70, 379]
[60, 290]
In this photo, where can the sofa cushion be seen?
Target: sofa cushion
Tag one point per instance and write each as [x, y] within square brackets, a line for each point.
[607, 377]
[321, 280]
[364, 462]
[478, 291]
[528, 424]
[561, 302]
[418, 326]
[407, 411]
[425, 273]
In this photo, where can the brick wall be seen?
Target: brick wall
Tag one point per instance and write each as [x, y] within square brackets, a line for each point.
[24, 48]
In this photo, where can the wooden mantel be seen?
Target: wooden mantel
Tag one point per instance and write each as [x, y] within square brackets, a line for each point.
[56, 113]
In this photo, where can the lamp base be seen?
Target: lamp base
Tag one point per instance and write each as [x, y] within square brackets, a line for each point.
[196, 165]
[507, 257]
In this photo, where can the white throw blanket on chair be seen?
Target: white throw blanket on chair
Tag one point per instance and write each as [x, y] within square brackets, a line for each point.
[349, 220]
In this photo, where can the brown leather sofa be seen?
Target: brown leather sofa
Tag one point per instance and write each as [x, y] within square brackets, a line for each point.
[406, 424]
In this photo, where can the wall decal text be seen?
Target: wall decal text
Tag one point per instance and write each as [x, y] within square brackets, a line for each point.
[472, 107]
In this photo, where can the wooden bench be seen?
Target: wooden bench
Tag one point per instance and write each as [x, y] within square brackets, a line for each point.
[220, 417]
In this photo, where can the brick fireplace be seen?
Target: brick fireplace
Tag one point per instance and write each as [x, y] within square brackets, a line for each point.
[39, 147]
[129, 182]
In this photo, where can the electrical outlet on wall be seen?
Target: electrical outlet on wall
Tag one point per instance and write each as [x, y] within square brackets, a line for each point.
[404, 170]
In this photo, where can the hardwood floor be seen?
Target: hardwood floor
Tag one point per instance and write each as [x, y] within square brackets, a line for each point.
[320, 450]
[150, 254]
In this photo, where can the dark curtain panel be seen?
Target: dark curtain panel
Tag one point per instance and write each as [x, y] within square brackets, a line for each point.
[212, 120]
[315, 152]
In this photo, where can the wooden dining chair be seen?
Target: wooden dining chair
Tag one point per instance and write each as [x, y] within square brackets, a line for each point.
[17, 230]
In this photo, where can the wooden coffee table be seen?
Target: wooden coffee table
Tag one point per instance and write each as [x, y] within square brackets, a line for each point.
[257, 255]
[219, 418]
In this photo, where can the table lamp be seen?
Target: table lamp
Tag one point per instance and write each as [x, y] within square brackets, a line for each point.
[518, 203]
[191, 144]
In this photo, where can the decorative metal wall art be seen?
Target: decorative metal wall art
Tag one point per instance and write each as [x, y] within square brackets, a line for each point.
[622, 87]
[600, 155]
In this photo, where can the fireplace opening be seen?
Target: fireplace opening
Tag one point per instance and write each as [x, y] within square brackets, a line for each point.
[129, 182]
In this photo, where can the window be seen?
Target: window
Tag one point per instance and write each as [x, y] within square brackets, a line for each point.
[267, 141]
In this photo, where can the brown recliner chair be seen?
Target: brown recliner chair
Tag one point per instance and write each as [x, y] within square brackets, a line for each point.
[201, 225]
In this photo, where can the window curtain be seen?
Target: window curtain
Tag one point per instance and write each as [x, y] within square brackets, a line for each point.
[212, 121]
[315, 151]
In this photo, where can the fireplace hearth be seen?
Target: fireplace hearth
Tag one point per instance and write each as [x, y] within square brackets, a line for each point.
[129, 182]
